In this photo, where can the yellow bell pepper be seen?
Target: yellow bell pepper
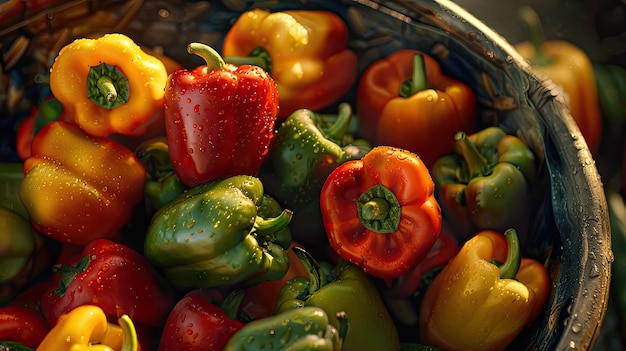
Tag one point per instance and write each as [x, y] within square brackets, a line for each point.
[569, 67]
[304, 51]
[86, 327]
[474, 304]
[109, 85]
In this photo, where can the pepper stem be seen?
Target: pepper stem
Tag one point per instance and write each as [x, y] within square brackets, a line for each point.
[266, 226]
[530, 18]
[129, 333]
[418, 81]
[211, 57]
[340, 127]
[311, 265]
[379, 209]
[508, 270]
[107, 86]
[67, 274]
[257, 57]
[232, 302]
[477, 164]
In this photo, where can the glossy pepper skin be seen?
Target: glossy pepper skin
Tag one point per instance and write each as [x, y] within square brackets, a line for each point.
[304, 51]
[86, 328]
[306, 328]
[404, 100]
[305, 151]
[108, 85]
[116, 279]
[474, 304]
[214, 235]
[78, 188]
[485, 183]
[197, 323]
[23, 254]
[343, 288]
[380, 212]
[219, 118]
[569, 67]
[22, 325]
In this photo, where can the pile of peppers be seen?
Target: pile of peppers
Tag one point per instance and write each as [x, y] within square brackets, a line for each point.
[223, 207]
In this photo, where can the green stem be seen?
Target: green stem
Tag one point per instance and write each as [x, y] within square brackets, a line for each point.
[266, 226]
[379, 209]
[67, 274]
[477, 164]
[375, 210]
[508, 270]
[232, 302]
[418, 81]
[344, 325]
[340, 127]
[530, 18]
[129, 334]
[257, 57]
[107, 88]
[211, 57]
[311, 265]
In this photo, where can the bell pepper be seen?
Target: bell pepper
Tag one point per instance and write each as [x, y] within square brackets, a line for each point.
[343, 288]
[23, 254]
[86, 327]
[485, 183]
[162, 184]
[485, 296]
[404, 100]
[219, 118]
[569, 67]
[116, 279]
[108, 85]
[380, 212]
[306, 328]
[78, 188]
[22, 325]
[306, 149]
[213, 235]
[303, 50]
[197, 323]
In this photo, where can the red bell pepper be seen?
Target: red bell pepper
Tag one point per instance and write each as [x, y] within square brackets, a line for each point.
[196, 323]
[404, 100]
[78, 188]
[113, 277]
[380, 212]
[219, 118]
[22, 325]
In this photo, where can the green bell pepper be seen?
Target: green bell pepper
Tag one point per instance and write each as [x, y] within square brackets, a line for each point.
[485, 183]
[212, 235]
[345, 288]
[22, 253]
[162, 184]
[306, 328]
[10, 177]
[307, 147]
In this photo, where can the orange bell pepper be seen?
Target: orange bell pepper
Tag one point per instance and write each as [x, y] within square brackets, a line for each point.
[570, 68]
[304, 52]
[78, 188]
[404, 100]
[109, 85]
[474, 304]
